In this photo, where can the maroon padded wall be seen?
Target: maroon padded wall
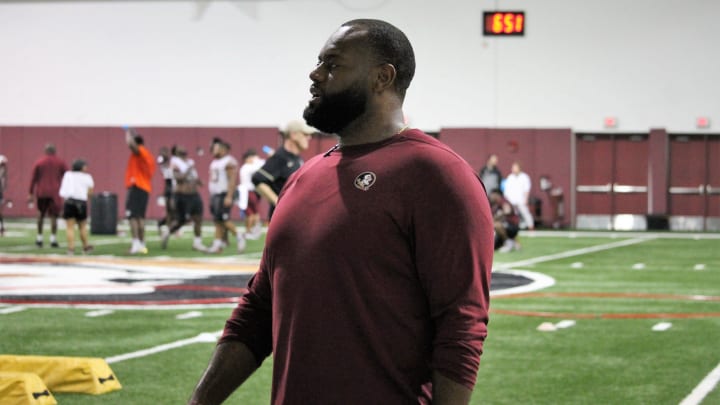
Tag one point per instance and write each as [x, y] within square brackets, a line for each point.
[541, 152]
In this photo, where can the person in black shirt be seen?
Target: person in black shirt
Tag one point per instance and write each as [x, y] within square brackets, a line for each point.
[271, 178]
[490, 174]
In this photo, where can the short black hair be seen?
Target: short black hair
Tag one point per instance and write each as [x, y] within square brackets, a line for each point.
[390, 45]
[78, 165]
[248, 153]
[139, 140]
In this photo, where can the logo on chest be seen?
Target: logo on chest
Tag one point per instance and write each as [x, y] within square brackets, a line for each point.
[365, 180]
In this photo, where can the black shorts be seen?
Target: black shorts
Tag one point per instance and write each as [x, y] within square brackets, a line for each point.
[49, 206]
[136, 202]
[218, 209]
[511, 230]
[75, 209]
[188, 205]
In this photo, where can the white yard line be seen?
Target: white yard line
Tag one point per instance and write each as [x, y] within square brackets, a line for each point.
[11, 310]
[703, 389]
[201, 338]
[570, 253]
[99, 313]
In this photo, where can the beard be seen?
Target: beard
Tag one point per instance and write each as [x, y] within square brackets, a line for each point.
[336, 111]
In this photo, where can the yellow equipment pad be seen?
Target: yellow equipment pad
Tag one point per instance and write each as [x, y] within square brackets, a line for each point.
[24, 389]
[87, 375]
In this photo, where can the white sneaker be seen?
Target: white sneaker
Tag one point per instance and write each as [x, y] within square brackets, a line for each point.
[200, 247]
[214, 249]
[241, 244]
[164, 240]
[508, 246]
[138, 250]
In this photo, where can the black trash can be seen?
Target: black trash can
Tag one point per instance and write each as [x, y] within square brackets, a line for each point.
[103, 214]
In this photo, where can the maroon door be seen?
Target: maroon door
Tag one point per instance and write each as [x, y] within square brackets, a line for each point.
[712, 185]
[594, 155]
[611, 177]
[694, 193]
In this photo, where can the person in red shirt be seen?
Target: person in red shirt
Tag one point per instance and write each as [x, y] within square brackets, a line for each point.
[138, 180]
[47, 174]
[374, 283]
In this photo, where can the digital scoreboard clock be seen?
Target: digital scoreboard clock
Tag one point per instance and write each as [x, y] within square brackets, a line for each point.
[504, 23]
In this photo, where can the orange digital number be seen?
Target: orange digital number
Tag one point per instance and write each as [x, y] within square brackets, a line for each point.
[497, 25]
[519, 23]
[508, 23]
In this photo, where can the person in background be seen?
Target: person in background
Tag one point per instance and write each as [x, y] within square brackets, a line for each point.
[47, 173]
[187, 200]
[3, 187]
[517, 191]
[138, 180]
[249, 199]
[76, 188]
[273, 175]
[490, 174]
[222, 186]
[164, 158]
[374, 285]
[507, 222]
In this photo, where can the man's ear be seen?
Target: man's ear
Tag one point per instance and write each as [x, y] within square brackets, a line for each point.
[385, 77]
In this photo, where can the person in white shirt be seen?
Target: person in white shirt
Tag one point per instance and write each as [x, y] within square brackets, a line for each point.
[249, 198]
[222, 186]
[517, 192]
[75, 188]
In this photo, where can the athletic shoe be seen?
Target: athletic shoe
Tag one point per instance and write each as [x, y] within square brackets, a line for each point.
[138, 250]
[508, 246]
[39, 243]
[200, 247]
[214, 249]
[241, 244]
[54, 244]
[164, 241]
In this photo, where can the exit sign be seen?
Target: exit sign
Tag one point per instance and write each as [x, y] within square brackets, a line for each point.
[504, 23]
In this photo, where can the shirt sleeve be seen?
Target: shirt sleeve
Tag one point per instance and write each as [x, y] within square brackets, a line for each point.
[268, 173]
[453, 235]
[251, 321]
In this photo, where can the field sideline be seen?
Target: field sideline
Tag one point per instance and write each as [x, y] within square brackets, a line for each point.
[620, 318]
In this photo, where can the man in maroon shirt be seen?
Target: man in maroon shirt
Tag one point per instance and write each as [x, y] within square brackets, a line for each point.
[47, 174]
[374, 283]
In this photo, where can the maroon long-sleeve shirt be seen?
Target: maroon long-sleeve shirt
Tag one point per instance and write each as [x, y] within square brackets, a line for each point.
[375, 273]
